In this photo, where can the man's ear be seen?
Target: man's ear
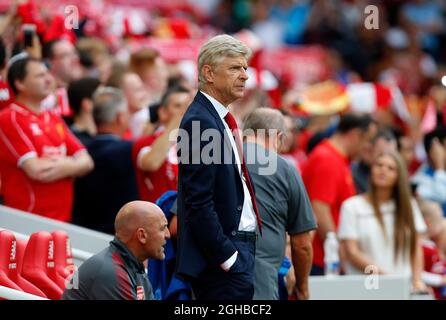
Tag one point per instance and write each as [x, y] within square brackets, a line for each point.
[142, 236]
[207, 72]
[121, 119]
[87, 105]
[162, 114]
[19, 85]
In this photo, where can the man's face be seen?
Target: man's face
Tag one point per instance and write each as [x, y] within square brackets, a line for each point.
[157, 234]
[37, 83]
[407, 150]
[177, 103]
[383, 145]
[289, 137]
[365, 150]
[228, 78]
[65, 62]
[359, 141]
[156, 78]
[134, 91]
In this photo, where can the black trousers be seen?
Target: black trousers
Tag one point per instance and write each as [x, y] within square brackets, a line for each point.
[236, 284]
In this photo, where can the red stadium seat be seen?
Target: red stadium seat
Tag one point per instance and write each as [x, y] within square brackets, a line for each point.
[22, 282]
[63, 256]
[39, 267]
[8, 264]
[11, 254]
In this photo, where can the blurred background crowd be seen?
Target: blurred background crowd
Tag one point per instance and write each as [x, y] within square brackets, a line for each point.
[123, 75]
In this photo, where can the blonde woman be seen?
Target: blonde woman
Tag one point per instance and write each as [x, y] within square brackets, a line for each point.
[380, 229]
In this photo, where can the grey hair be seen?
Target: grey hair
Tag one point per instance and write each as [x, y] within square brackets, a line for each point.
[265, 119]
[219, 47]
[107, 103]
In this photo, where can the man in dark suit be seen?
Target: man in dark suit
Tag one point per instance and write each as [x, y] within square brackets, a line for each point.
[112, 183]
[217, 212]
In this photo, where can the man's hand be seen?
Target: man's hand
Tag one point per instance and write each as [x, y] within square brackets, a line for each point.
[302, 293]
[36, 50]
[57, 169]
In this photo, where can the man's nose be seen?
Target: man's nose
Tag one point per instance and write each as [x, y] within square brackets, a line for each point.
[244, 74]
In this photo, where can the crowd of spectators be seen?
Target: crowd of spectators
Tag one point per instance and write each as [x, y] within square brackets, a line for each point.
[86, 113]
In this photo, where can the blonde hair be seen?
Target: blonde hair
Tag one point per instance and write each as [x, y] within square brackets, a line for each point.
[219, 47]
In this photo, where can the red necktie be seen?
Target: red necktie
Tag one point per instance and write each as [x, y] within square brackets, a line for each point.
[232, 124]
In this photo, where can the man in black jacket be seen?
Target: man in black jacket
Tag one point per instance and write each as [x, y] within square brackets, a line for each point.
[117, 272]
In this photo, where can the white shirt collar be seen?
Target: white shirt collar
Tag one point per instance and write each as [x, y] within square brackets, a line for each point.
[221, 109]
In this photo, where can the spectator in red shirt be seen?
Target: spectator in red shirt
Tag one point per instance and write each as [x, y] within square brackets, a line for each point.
[39, 157]
[154, 156]
[328, 178]
[434, 274]
[5, 92]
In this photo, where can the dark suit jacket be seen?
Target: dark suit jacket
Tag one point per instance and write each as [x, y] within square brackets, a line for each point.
[100, 194]
[210, 196]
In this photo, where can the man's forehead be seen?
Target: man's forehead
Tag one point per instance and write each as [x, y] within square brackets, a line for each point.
[234, 60]
[63, 46]
[36, 66]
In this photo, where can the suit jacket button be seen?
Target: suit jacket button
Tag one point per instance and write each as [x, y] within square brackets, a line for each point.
[239, 208]
[233, 233]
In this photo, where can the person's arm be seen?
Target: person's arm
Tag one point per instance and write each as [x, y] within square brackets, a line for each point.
[417, 265]
[324, 218]
[356, 257]
[8, 18]
[154, 159]
[35, 168]
[302, 256]
[53, 169]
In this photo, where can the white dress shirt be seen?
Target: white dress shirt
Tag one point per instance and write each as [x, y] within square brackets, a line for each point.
[248, 220]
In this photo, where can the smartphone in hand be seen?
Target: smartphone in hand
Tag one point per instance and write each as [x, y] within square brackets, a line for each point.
[29, 30]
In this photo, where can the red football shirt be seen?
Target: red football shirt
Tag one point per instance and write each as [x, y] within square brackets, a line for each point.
[24, 135]
[327, 178]
[433, 263]
[58, 103]
[6, 95]
[152, 185]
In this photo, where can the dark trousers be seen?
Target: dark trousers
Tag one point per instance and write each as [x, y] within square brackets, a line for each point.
[317, 270]
[236, 284]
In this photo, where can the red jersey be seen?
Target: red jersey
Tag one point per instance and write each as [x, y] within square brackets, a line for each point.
[433, 263]
[24, 135]
[6, 95]
[327, 178]
[58, 103]
[152, 185]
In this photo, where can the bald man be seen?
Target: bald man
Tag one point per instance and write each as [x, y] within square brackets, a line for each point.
[117, 272]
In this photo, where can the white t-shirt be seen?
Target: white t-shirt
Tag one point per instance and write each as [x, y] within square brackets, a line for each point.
[358, 222]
